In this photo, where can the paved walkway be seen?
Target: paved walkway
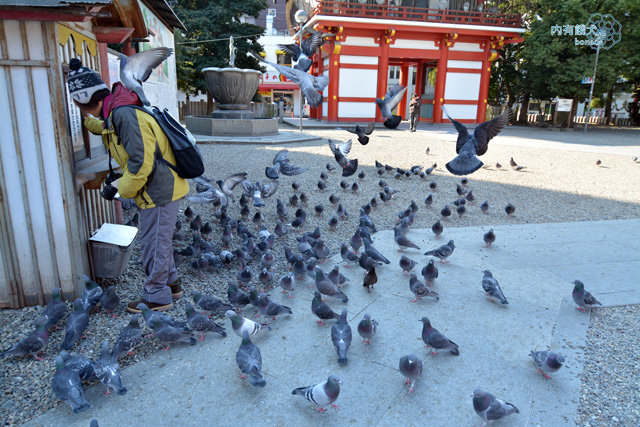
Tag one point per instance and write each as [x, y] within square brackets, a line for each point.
[535, 265]
[283, 137]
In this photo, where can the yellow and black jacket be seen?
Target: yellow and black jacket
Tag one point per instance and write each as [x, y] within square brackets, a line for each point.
[146, 179]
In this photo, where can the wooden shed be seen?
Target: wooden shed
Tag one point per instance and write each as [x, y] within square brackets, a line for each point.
[51, 169]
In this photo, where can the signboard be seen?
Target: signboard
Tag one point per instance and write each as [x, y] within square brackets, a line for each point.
[270, 77]
[271, 12]
[564, 104]
[587, 80]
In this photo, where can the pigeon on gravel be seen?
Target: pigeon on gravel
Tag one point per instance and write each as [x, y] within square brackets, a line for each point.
[76, 325]
[411, 368]
[490, 408]
[110, 300]
[326, 287]
[286, 283]
[341, 337]
[137, 68]
[199, 322]
[420, 289]
[340, 152]
[322, 394]
[583, 298]
[236, 297]
[128, 338]
[55, 309]
[362, 133]
[489, 237]
[209, 303]
[240, 324]
[258, 192]
[91, 294]
[322, 309]
[83, 366]
[67, 386]
[434, 339]
[468, 147]
[403, 241]
[430, 272]
[32, 343]
[170, 334]
[150, 315]
[271, 308]
[509, 209]
[492, 288]
[547, 361]
[249, 360]
[367, 328]
[484, 206]
[108, 371]
[443, 252]
[391, 99]
[406, 264]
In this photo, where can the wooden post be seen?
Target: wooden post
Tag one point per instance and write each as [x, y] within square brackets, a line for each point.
[334, 84]
[383, 72]
[441, 77]
[404, 81]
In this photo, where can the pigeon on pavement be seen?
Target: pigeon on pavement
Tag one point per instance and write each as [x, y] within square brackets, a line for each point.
[371, 278]
[492, 288]
[583, 298]
[108, 371]
[547, 361]
[91, 294]
[128, 338]
[430, 272]
[411, 368]
[199, 322]
[249, 360]
[367, 328]
[420, 289]
[341, 337]
[326, 287]
[322, 309]
[469, 147]
[76, 325]
[403, 241]
[209, 303]
[271, 308]
[436, 340]
[490, 408]
[373, 253]
[407, 264]
[240, 324]
[443, 252]
[67, 386]
[391, 99]
[437, 229]
[322, 394]
[32, 343]
[489, 237]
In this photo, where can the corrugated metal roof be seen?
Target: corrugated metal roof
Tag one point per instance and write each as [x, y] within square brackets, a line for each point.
[51, 3]
[166, 13]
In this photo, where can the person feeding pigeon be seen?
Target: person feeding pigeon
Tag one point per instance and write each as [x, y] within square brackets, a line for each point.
[135, 140]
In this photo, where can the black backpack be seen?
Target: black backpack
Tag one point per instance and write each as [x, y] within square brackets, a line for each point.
[189, 163]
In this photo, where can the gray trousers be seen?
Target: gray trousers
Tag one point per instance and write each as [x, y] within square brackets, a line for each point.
[414, 120]
[156, 244]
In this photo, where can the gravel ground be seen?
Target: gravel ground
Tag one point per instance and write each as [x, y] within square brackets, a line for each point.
[556, 186]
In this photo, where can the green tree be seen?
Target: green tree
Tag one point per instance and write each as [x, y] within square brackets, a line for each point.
[209, 25]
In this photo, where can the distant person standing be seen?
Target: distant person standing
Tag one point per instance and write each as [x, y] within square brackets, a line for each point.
[414, 110]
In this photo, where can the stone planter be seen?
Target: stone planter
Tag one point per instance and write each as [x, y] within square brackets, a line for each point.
[232, 88]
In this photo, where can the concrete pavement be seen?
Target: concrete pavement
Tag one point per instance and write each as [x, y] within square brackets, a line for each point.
[534, 264]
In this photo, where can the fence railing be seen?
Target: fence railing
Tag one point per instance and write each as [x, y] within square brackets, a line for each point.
[199, 108]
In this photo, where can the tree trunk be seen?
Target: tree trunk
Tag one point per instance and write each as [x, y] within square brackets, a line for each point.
[523, 119]
[607, 107]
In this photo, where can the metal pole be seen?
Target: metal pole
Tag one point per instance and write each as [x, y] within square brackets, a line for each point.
[586, 120]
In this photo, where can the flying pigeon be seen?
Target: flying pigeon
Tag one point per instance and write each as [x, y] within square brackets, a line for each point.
[362, 132]
[303, 54]
[490, 408]
[411, 368]
[209, 193]
[322, 394]
[583, 298]
[55, 309]
[443, 252]
[341, 337]
[435, 339]
[67, 386]
[239, 324]
[420, 289]
[547, 361]
[249, 360]
[91, 294]
[309, 85]
[83, 366]
[340, 152]
[281, 165]
[391, 99]
[128, 338]
[32, 343]
[137, 68]
[199, 322]
[492, 288]
[367, 328]
[108, 371]
[469, 147]
[259, 191]
[76, 325]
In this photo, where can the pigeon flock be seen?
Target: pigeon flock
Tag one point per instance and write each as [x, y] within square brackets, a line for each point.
[230, 242]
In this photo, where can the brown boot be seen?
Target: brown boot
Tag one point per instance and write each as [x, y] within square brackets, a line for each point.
[132, 307]
[176, 289]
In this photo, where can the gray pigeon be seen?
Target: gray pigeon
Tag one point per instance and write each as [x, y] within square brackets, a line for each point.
[373, 253]
[490, 408]
[110, 300]
[32, 343]
[420, 289]
[209, 303]
[326, 286]
[55, 310]
[322, 309]
[128, 338]
[83, 366]
[407, 264]
[67, 386]
[430, 272]
[249, 360]
[468, 147]
[137, 68]
[236, 297]
[436, 340]
[411, 368]
[336, 277]
[108, 371]
[391, 99]
[367, 328]
[199, 322]
[340, 152]
[341, 337]
[303, 54]
[239, 324]
[271, 308]
[170, 334]
[489, 237]
[281, 165]
[322, 394]
[583, 298]
[403, 241]
[492, 288]
[547, 361]
[443, 252]
[286, 283]
[76, 325]
[91, 294]
[150, 315]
